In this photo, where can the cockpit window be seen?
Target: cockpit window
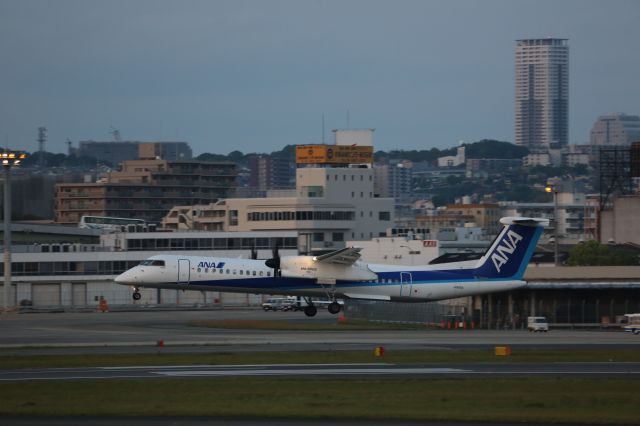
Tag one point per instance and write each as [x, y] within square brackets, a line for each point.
[158, 263]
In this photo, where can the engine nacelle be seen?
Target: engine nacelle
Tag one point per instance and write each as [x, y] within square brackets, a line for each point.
[307, 267]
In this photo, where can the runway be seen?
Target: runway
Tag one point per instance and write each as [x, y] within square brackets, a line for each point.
[128, 332]
[566, 369]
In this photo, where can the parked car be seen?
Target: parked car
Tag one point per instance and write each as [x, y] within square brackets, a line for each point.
[278, 304]
[537, 324]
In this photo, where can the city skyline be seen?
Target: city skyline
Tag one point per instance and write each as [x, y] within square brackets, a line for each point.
[256, 76]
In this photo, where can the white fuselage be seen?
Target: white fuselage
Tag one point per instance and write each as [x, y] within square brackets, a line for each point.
[361, 280]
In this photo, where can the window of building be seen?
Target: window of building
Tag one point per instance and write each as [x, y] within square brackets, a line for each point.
[233, 217]
[337, 236]
[384, 216]
[318, 237]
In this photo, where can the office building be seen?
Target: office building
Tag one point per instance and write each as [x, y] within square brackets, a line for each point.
[616, 129]
[542, 93]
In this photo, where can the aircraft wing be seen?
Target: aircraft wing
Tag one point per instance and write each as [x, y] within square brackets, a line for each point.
[346, 256]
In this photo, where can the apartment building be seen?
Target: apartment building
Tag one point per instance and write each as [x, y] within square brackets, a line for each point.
[542, 93]
[145, 189]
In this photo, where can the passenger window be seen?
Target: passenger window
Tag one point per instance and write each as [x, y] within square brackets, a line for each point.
[260, 273]
[248, 273]
[213, 271]
[206, 270]
[199, 270]
[241, 272]
[268, 273]
[234, 272]
[254, 273]
[227, 271]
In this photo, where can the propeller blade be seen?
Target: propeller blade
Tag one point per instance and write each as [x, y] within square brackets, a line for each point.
[274, 262]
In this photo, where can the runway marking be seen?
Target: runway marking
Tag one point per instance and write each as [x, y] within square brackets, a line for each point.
[149, 367]
[311, 371]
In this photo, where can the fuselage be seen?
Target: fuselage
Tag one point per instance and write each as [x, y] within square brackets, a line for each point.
[341, 274]
[388, 282]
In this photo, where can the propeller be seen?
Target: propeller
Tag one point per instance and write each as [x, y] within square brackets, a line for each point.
[274, 262]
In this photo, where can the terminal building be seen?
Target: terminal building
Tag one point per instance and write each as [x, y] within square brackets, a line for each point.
[77, 275]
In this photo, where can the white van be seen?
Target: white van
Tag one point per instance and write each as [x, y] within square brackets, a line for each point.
[537, 324]
[632, 323]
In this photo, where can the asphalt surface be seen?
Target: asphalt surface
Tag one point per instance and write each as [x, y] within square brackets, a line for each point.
[565, 369]
[140, 332]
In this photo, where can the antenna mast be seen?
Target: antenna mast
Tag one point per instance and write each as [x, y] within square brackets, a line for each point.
[42, 139]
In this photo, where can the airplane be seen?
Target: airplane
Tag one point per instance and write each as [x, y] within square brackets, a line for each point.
[341, 273]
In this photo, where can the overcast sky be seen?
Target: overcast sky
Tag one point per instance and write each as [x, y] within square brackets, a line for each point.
[256, 75]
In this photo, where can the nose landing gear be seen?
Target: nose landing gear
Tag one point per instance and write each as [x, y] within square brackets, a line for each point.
[136, 294]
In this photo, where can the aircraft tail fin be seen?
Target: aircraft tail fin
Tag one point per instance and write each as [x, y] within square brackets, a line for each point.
[511, 251]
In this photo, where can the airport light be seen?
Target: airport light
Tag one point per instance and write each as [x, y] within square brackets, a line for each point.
[9, 159]
[554, 190]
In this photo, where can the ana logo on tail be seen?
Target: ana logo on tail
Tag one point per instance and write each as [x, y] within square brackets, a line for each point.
[506, 248]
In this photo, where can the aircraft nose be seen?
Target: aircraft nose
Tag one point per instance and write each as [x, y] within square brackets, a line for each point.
[127, 277]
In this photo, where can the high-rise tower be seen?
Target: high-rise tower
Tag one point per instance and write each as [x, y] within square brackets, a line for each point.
[542, 93]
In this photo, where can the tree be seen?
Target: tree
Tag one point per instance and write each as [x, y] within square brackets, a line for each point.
[592, 253]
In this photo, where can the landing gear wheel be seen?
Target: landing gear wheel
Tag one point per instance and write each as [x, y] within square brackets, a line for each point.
[310, 311]
[137, 296]
[334, 308]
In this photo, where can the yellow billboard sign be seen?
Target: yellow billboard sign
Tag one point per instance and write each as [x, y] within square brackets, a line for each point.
[333, 154]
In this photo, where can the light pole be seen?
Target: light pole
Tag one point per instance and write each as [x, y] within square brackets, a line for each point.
[555, 222]
[9, 159]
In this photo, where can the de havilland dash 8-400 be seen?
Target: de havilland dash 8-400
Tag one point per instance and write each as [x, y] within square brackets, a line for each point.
[341, 273]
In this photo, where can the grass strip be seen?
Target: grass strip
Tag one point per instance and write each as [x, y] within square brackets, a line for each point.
[319, 357]
[576, 400]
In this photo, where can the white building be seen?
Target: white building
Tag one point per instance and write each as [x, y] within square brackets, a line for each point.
[398, 250]
[329, 206]
[453, 160]
[573, 212]
[615, 129]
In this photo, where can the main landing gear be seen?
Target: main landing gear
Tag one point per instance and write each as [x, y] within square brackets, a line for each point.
[334, 307]
[311, 310]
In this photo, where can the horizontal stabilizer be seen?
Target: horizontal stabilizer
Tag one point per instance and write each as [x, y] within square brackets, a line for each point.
[525, 221]
[367, 296]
